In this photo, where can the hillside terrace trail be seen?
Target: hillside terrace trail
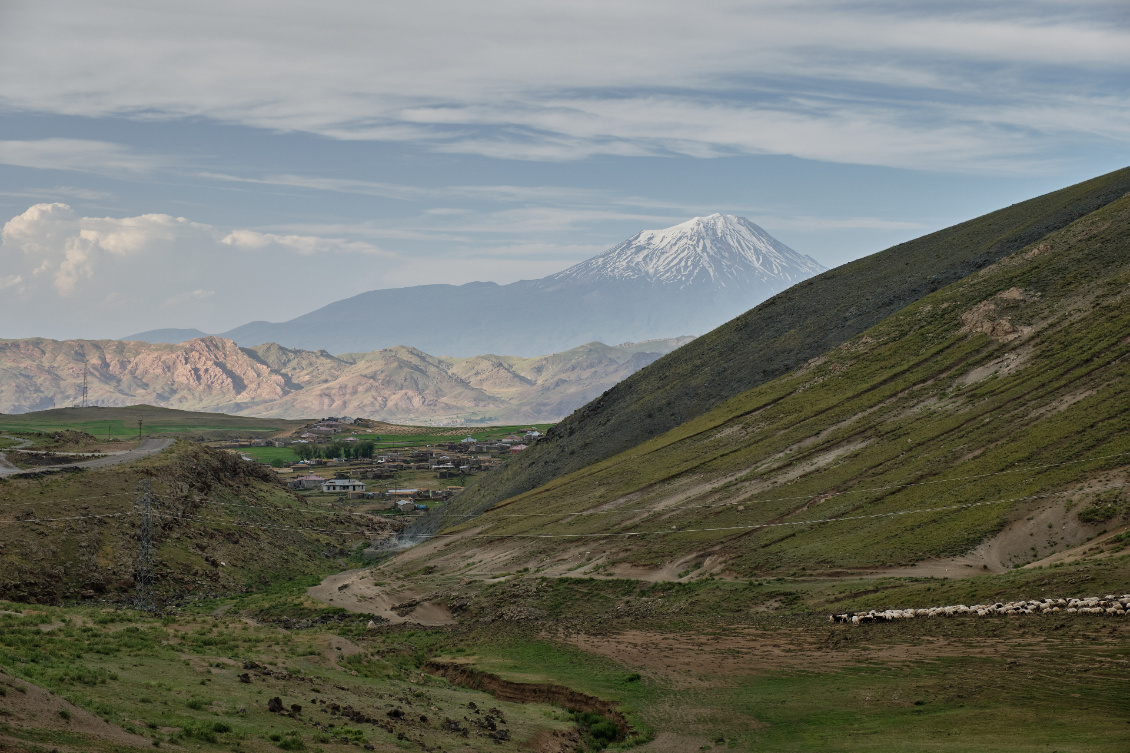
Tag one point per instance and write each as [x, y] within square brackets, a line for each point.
[149, 446]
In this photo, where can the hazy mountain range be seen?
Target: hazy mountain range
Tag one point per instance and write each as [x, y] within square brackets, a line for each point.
[398, 384]
[684, 280]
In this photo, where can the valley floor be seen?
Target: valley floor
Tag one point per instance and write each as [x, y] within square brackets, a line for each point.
[88, 678]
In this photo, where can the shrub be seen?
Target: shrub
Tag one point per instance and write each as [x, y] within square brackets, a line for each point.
[202, 732]
[1102, 510]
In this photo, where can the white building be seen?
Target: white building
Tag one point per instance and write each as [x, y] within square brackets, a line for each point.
[343, 485]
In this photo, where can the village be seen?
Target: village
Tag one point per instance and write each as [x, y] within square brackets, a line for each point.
[399, 474]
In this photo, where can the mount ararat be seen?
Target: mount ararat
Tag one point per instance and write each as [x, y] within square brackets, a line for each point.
[683, 280]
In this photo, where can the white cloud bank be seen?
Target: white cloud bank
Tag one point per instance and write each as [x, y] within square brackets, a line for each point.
[59, 245]
[65, 275]
[101, 273]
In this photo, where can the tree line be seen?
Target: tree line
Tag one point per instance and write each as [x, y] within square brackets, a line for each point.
[332, 450]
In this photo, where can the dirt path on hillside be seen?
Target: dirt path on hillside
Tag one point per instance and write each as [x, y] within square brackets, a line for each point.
[148, 447]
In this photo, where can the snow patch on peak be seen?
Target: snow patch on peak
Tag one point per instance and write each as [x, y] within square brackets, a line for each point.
[720, 250]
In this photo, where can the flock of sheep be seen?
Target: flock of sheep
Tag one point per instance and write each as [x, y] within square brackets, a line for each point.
[1115, 606]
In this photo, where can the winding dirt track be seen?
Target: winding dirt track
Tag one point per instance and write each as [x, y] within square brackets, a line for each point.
[147, 447]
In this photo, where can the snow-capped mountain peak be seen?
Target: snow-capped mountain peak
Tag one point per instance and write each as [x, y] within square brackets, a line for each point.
[720, 250]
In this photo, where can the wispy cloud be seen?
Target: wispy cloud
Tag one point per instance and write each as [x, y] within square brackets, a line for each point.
[80, 155]
[934, 86]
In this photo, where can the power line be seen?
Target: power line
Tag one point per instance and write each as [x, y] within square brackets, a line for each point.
[244, 524]
[746, 527]
[731, 503]
[69, 517]
[296, 510]
[69, 499]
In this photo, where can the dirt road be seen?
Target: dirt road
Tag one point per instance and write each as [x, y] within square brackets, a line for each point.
[147, 447]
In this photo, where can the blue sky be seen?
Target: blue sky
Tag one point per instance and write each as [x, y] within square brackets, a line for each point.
[203, 164]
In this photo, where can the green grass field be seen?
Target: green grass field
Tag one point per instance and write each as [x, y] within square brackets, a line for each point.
[122, 423]
[427, 435]
[689, 683]
[175, 681]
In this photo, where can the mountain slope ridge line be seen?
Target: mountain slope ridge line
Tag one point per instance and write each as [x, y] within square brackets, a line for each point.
[1027, 403]
[810, 319]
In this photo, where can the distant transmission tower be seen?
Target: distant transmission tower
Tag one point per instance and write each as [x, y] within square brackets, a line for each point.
[143, 593]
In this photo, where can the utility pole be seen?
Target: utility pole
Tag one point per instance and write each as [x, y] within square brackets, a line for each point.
[143, 592]
[84, 384]
[139, 430]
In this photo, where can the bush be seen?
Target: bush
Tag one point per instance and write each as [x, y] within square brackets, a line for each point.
[597, 730]
[202, 732]
[291, 742]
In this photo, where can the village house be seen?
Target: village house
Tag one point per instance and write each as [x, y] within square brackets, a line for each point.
[343, 485]
[306, 482]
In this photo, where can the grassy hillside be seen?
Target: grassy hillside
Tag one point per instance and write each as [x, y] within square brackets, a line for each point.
[222, 525]
[785, 332]
[992, 410]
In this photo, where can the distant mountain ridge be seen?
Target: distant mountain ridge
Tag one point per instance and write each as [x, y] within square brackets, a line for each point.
[400, 384]
[683, 280]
